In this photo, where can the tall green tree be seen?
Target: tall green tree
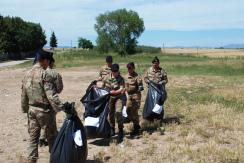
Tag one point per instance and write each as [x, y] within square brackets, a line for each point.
[53, 41]
[84, 43]
[18, 36]
[119, 30]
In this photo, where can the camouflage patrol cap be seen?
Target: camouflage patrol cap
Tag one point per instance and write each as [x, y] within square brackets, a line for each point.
[115, 67]
[155, 60]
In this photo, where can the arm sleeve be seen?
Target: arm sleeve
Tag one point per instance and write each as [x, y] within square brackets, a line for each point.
[146, 79]
[126, 84]
[139, 81]
[24, 100]
[164, 78]
[59, 83]
[100, 78]
[122, 86]
[51, 94]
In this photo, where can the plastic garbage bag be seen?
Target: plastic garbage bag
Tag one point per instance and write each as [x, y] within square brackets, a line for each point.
[96, 103]
[153, 108]
[71, 143]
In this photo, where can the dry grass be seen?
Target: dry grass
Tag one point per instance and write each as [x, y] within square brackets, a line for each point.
[205, 52]
[210, 131]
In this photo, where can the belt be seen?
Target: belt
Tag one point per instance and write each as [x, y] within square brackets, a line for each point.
[133, 93]
[43, 106]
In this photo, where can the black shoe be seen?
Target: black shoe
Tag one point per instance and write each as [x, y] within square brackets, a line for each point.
[112, 131]
[43, 142]
[120, 136]
[136, 131]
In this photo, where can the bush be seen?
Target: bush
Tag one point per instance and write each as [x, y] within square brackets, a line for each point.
[84, 43]
[147, 49]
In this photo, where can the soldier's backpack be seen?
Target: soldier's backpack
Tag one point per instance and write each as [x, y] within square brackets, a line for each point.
[96, 103]
[153, 107]
[71, 143]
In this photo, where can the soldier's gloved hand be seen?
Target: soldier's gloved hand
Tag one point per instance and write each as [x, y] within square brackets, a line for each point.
[140, 88]
[94, 82]
[68, 108]
[161, 82]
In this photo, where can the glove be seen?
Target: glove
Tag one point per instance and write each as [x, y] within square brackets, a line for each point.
[68, 108]
[94, 82]
[140, 88]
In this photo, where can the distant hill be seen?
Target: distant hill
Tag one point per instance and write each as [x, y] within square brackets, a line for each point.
[233, 46]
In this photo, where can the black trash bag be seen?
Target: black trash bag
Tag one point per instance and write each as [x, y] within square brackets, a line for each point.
[96, 102]
[156, 96]
[71, 143]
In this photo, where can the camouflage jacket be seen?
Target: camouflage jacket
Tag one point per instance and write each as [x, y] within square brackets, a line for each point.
[56, 79]
[38, 90]
[132, 83]
[104, 71]
[157, 76]
[111, 83]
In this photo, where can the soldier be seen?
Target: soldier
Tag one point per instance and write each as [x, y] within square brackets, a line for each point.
[58, 87]
[156, 74]
[134, 86]
[40, 101]
[115, 83]
[106, 69]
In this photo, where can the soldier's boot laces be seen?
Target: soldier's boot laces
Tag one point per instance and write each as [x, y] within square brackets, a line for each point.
[136, 131]
[120, 136]
[112, 131]
[43, 143]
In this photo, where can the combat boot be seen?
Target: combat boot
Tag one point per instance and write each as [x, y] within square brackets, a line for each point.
[120, 136]
[136, 131]
[112, 131]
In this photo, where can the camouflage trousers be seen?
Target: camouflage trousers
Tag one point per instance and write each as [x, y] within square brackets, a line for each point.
[115, 110]
[132, 106]
[39, 119]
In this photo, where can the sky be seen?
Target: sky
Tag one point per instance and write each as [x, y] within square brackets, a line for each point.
[203, 23]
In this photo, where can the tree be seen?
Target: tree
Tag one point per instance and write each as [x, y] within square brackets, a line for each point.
[84, 43]
[53, 41]
[18, 36]
[119, 30]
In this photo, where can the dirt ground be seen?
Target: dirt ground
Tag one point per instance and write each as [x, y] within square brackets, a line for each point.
[192, 140]
[13, 123]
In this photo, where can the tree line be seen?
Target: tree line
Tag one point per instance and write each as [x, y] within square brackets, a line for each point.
[18, 37]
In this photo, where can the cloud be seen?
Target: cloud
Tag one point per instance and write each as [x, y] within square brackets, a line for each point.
[73, 18]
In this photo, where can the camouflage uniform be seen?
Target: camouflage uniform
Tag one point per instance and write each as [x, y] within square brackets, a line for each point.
[58, 87]
[39, 99]
[157, 76]
[132, 83]
[104, 71]
[116, 101]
